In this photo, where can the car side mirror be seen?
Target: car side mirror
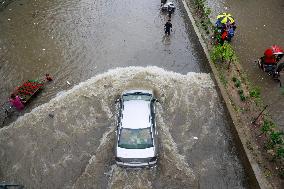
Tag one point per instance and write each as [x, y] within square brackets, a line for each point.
[117, 100]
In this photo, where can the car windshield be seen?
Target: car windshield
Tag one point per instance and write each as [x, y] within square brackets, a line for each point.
[135, 138]
[137, 96]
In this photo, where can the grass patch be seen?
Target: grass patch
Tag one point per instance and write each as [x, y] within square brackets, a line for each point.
[223, 79]
[254, 92]
[238, 83]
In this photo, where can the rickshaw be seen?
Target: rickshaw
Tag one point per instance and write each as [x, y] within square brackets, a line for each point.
[270, 62]
[26, 91]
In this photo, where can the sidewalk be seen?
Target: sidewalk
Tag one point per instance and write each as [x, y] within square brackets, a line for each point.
[260, 25]
[242, 121]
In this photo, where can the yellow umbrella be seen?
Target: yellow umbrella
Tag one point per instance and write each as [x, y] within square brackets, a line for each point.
[225, 17]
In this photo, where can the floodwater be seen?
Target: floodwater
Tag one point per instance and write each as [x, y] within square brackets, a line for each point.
[68, 141]
[260, 25]
[75, 40]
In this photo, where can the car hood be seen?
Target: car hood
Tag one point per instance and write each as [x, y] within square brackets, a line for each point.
[135, 153]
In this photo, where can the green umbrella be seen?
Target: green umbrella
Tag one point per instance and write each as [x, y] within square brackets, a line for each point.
[225, 17]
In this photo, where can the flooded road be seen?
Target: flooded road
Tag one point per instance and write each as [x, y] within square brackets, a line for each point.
[259, 26]
[68, 141]
[76, 40]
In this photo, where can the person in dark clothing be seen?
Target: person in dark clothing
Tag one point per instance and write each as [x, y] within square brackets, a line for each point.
[163, 2]
[48, 77]
[168, 27]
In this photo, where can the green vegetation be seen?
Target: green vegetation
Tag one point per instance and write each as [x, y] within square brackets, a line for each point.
[223, 78]
[204, 13]
[243, 97]
[275, 137]
[241, 91]
[255, 92]
[216, 53]
[275, 141]
[199, 4]
[280, 152]
[223, 54]
[267, 126]
[238, 83]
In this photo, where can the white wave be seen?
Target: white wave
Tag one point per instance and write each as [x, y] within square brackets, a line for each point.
[82, 120]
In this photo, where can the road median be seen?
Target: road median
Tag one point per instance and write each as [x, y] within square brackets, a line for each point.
[244, 105]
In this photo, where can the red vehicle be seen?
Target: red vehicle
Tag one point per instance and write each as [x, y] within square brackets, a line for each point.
[270, 62]
[26, 92]
[28, 89]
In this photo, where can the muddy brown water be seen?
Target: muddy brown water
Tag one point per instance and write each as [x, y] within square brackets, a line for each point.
[260, 25]
[67, 139]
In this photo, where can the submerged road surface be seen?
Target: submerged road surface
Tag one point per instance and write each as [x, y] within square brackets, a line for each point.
[68, 142]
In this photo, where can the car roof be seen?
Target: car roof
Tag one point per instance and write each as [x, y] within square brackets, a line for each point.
[169, 3]
[136, 114]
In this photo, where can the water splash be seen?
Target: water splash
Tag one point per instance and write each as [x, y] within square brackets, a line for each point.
[74, 147]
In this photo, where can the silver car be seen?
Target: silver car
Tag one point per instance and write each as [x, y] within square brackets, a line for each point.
[166, 6]
[136, 135]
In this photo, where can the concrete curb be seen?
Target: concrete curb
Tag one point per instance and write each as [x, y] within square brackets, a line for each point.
[257, 179]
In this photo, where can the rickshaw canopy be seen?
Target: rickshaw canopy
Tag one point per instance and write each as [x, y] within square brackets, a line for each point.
[273, 50]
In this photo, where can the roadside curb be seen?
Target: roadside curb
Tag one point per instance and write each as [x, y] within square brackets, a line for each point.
[256, 177]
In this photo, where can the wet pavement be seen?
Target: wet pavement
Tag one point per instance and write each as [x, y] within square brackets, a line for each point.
[68, 142]
[259, 26]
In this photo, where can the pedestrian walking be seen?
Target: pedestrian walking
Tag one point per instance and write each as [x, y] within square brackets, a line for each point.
[168, 26]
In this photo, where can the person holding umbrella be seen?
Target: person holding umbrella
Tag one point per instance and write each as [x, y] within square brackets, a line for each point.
[226, 27]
